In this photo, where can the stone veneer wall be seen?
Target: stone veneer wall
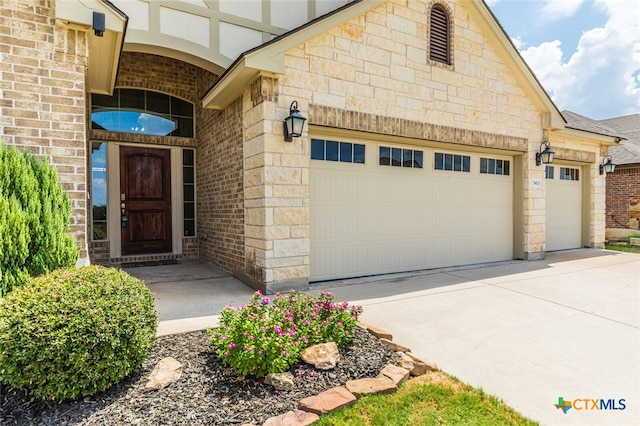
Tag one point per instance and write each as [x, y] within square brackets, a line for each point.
[276, 194]
[371, 74]
[623, 198]
[42, 96]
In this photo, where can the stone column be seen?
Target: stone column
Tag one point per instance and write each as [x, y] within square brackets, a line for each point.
[534, 205]
[596, 187]
[276, 193]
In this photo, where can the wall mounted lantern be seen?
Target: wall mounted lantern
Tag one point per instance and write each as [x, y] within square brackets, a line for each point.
[607, 165]
[294, 123]
[546, 156]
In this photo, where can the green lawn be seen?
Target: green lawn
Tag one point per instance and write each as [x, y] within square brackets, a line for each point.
[626, 247]
[433, 399]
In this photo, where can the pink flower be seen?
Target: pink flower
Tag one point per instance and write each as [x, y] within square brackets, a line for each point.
[231, 346]
[265, 300]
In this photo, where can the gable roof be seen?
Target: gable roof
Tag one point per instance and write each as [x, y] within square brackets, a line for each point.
[580, 122]
[629, 127]
[269, 58]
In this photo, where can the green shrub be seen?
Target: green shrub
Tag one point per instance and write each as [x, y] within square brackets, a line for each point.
[263, 338]
[34, 218]
[75, 332]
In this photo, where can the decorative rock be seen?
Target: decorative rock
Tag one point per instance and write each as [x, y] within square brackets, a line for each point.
[378, 332]
[421, 366]
[371, 385]
[280, 381]
[394, 346]
[323, 356]
[168, 370]
[292, 418]
[405, 361]
[395, 373]
[328, 401]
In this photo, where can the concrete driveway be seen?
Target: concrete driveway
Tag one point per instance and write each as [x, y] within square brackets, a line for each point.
[529, 332]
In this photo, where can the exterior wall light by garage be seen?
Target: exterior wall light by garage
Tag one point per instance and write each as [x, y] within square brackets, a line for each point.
[294, 123]
[546, 156]
[607, 165]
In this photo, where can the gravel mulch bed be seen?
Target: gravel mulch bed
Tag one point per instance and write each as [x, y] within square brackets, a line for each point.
[208, 393]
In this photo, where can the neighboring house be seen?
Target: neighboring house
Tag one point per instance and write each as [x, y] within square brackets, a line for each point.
[419, 149]
[623, 186]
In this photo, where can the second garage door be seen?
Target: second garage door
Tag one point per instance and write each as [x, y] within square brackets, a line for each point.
[563, 221]
[380, 208]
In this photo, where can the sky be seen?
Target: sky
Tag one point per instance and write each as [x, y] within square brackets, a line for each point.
[586, 53]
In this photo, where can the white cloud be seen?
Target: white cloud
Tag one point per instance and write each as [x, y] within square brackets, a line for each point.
[559, 9]
[518, 42]
[599, 80]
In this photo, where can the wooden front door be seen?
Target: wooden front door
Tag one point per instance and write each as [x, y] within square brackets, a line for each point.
[145, 193]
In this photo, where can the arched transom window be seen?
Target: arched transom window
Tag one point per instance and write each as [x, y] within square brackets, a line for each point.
[142, 111]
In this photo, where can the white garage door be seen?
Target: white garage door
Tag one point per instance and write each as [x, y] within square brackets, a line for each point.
[563, 208]
[380, 208]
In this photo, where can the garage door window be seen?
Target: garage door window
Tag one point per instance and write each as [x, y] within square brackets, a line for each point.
[567, 173]
[452, 162]
[400, 157]
[344, 152]
[492, 166]
[548, 172]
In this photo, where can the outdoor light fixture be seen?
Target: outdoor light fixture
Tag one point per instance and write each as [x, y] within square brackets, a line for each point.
[546, 156]
[98, 23]
[294, 123]
[607, 165]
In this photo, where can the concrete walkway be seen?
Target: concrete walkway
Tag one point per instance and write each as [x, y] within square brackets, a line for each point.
[530, 332]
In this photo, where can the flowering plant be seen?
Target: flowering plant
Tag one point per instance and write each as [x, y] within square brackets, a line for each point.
[268, 336]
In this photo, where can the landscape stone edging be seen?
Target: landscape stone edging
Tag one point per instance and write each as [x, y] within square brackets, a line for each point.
[299, 418]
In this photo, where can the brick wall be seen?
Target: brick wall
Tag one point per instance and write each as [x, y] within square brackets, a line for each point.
[159, 73]
[42, 96]
[219, 186]
[623, 198]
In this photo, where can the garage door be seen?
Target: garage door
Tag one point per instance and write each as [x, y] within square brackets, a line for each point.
[380, 208]
[563, 208]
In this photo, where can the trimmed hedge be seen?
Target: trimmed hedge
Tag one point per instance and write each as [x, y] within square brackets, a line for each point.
[34, 220]
[75, 332]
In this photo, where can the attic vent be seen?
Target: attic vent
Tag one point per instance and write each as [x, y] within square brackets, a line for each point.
[439, 48]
